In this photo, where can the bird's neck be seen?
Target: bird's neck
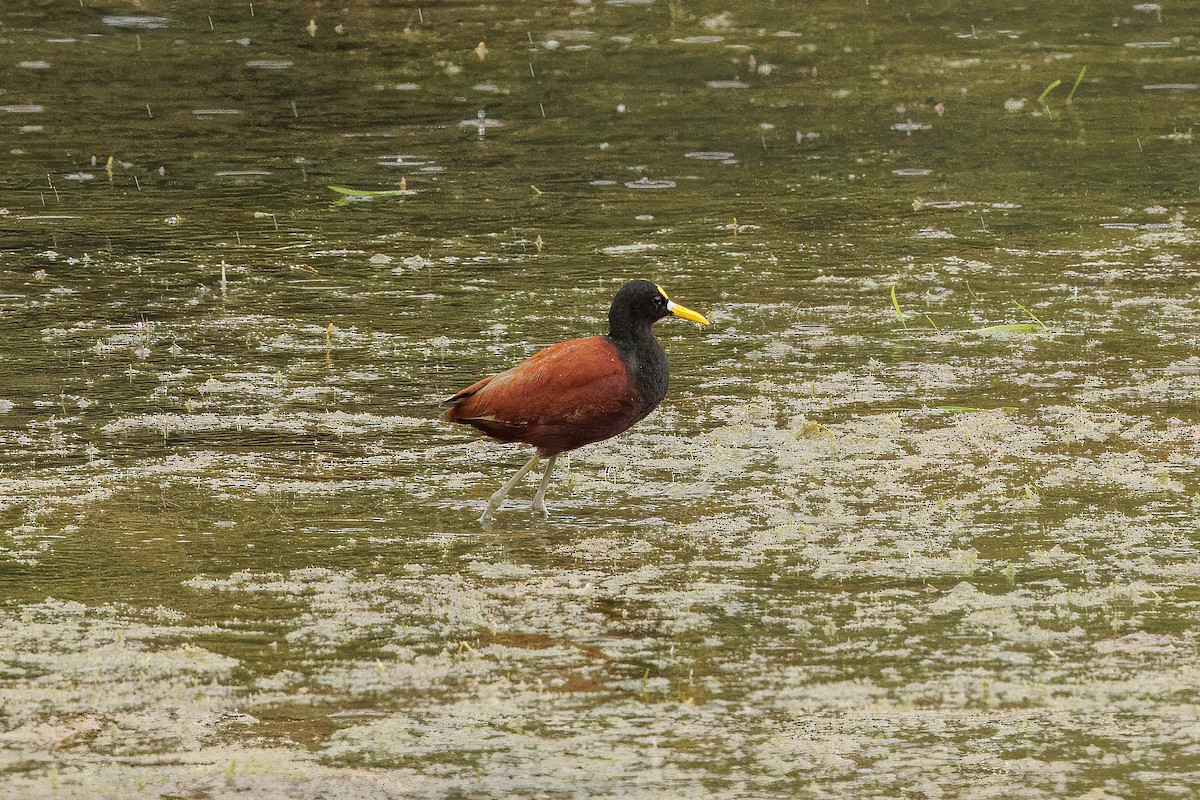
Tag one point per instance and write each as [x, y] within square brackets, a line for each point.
[646, 362]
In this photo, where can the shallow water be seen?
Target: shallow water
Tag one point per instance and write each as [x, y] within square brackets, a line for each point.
[916, 519]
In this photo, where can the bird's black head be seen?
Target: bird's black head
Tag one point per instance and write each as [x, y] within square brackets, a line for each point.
[641, 303]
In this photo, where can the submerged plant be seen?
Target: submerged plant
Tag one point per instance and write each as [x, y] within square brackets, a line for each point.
[1037, 326]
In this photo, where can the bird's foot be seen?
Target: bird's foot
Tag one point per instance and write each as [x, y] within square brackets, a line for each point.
[493, 504]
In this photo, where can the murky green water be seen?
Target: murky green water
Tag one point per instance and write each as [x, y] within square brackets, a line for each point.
[953, 555]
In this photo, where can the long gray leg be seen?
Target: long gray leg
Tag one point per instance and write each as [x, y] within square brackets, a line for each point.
[503, 491]
[539, 499]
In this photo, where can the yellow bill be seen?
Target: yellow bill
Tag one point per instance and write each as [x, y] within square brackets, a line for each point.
[682, 311]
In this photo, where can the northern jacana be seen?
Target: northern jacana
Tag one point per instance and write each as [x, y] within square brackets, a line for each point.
[575, 392]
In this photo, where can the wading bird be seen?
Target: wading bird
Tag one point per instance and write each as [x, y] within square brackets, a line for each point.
[575, 392]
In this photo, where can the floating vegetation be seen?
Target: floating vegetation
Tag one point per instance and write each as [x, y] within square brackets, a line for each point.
[933, 233]
[704, 155]
[649, 183]
[1036, 326]
[625, 249]
[408, 162]
[351, 195]
[572, 34]
[1013, 327]
[135, 21]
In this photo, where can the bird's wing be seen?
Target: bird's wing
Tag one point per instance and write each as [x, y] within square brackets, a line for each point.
[564, 383]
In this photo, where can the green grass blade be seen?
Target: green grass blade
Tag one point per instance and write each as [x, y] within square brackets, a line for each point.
[1078, 80]
[1012, 327]
[1032, 316]
[899, 313]
[1048, 90]
[346, 190]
